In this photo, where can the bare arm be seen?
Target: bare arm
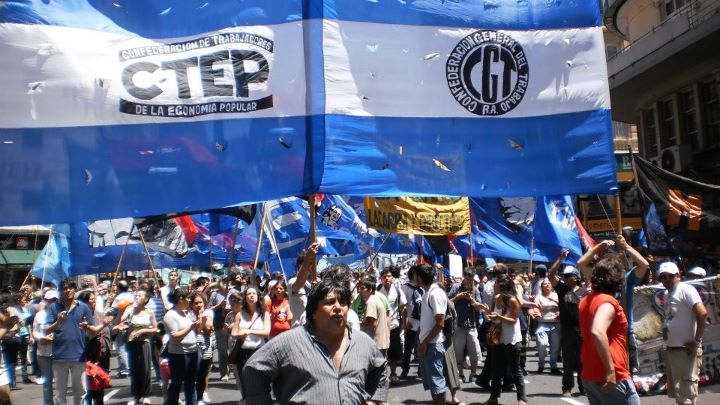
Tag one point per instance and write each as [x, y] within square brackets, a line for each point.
[604, 316]
[585, 260]
[641, 264]
[304, 272]
[552, 273]
[701, 318]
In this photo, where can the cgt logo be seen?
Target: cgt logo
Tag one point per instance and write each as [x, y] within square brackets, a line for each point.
[212, 74]
[487, 73]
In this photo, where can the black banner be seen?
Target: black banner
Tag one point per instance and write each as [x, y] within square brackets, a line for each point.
[244, 212]
[682, 216]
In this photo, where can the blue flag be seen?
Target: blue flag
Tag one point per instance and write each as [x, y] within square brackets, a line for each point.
[53, 264]
[522, 228]
[134, 108]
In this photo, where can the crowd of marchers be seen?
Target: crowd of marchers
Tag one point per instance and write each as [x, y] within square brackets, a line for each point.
[344, 336]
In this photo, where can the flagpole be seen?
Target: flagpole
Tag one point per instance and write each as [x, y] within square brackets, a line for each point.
[311, 211]
[260, 236]
[387, 236]
[122, 254]
[232, 248]
[147, 254]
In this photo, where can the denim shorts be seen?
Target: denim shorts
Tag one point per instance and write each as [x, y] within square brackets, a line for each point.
[433, 366]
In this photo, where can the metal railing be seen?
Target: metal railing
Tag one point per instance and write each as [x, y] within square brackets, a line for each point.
[695, 11]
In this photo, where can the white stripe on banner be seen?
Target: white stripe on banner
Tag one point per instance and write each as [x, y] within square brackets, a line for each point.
[407, 71]
[62, 77]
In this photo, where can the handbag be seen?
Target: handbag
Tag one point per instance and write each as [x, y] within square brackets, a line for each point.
[493, 334]
[98, 378]
[237, 347]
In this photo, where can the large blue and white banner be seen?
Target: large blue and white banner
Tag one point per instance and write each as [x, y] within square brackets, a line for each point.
[134, 108]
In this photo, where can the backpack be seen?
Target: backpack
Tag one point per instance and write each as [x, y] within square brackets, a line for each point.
[415, 302]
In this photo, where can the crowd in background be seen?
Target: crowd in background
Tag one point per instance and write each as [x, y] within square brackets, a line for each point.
[172, 335]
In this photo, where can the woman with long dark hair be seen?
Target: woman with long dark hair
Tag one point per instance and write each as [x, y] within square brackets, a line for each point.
[279, 308]
[507, 314]
[182, 348]
[206, 345]
[604, 328]
[252, 325]
[142, 325]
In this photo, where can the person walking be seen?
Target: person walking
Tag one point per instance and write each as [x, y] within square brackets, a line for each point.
[569, 294]
[547, 333]
[44, 346]
[15, 343]
[205, 341]
[142, 326]
[604, 327]
[252, 327]
[507, 352]
[685, 318]
[70, 322]
[468, 302]
[182, 348]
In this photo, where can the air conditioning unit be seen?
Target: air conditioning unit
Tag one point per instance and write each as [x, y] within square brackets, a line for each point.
[655, 162]
[675, 158]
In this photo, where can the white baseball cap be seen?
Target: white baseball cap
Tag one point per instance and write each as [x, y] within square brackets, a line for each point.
[51, 294]
[570, 271]
[698, 271]
[668, 267]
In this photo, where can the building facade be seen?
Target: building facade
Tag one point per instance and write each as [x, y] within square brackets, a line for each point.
[664, 76]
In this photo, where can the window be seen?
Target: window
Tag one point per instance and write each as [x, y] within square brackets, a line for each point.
[672, 6]
[649, 133]
[610, 51]
[667, 123]
[710, 99]
[688, 118]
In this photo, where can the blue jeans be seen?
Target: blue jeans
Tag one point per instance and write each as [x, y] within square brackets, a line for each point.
[623, 393]
[548, 336]
[433, 366]
[183, 374]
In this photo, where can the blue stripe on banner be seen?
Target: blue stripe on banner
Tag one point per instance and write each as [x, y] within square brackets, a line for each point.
[60, 175]
[151, 19]
[487, 14]
[567, 153]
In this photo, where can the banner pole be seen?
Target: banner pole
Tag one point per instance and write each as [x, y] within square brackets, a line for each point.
[120, 260]
[232, 248]
[147, 254]
[313, 236]
[372, 259]
[260, 236]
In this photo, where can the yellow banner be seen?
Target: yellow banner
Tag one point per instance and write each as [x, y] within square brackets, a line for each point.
[420, 216]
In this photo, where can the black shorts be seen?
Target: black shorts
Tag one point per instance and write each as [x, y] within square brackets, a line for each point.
[395, 351]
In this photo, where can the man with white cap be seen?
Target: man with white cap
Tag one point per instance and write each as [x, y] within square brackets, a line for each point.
[684, 322]
[696, 272]
[569, 294]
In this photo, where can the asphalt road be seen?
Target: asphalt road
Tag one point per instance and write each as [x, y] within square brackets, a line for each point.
[541, 389]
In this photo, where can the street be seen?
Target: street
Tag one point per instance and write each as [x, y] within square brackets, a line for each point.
[542, 389]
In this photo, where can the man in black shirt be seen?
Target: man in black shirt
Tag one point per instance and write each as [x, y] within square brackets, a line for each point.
[569, 294]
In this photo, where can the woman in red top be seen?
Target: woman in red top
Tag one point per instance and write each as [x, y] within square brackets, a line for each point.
[604, 328]
[279, 309]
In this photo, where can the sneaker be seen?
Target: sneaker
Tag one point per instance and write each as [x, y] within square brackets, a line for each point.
[540, 370]
[225, 378]
[394, 379]
[555, 371]
[200, 403]
[26, 380]
[14, 387]
[472, 378]
[206, 397]
[462, 378]
[404, 375]
[567, 394]
[524, 372]
[40, 380]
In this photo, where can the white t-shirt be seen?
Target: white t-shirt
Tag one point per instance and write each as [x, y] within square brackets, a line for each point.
[298, 302]
[43, 348]
[353, 320]
[680, 322]
[434, 302]
[392, 297]
[175, 322]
